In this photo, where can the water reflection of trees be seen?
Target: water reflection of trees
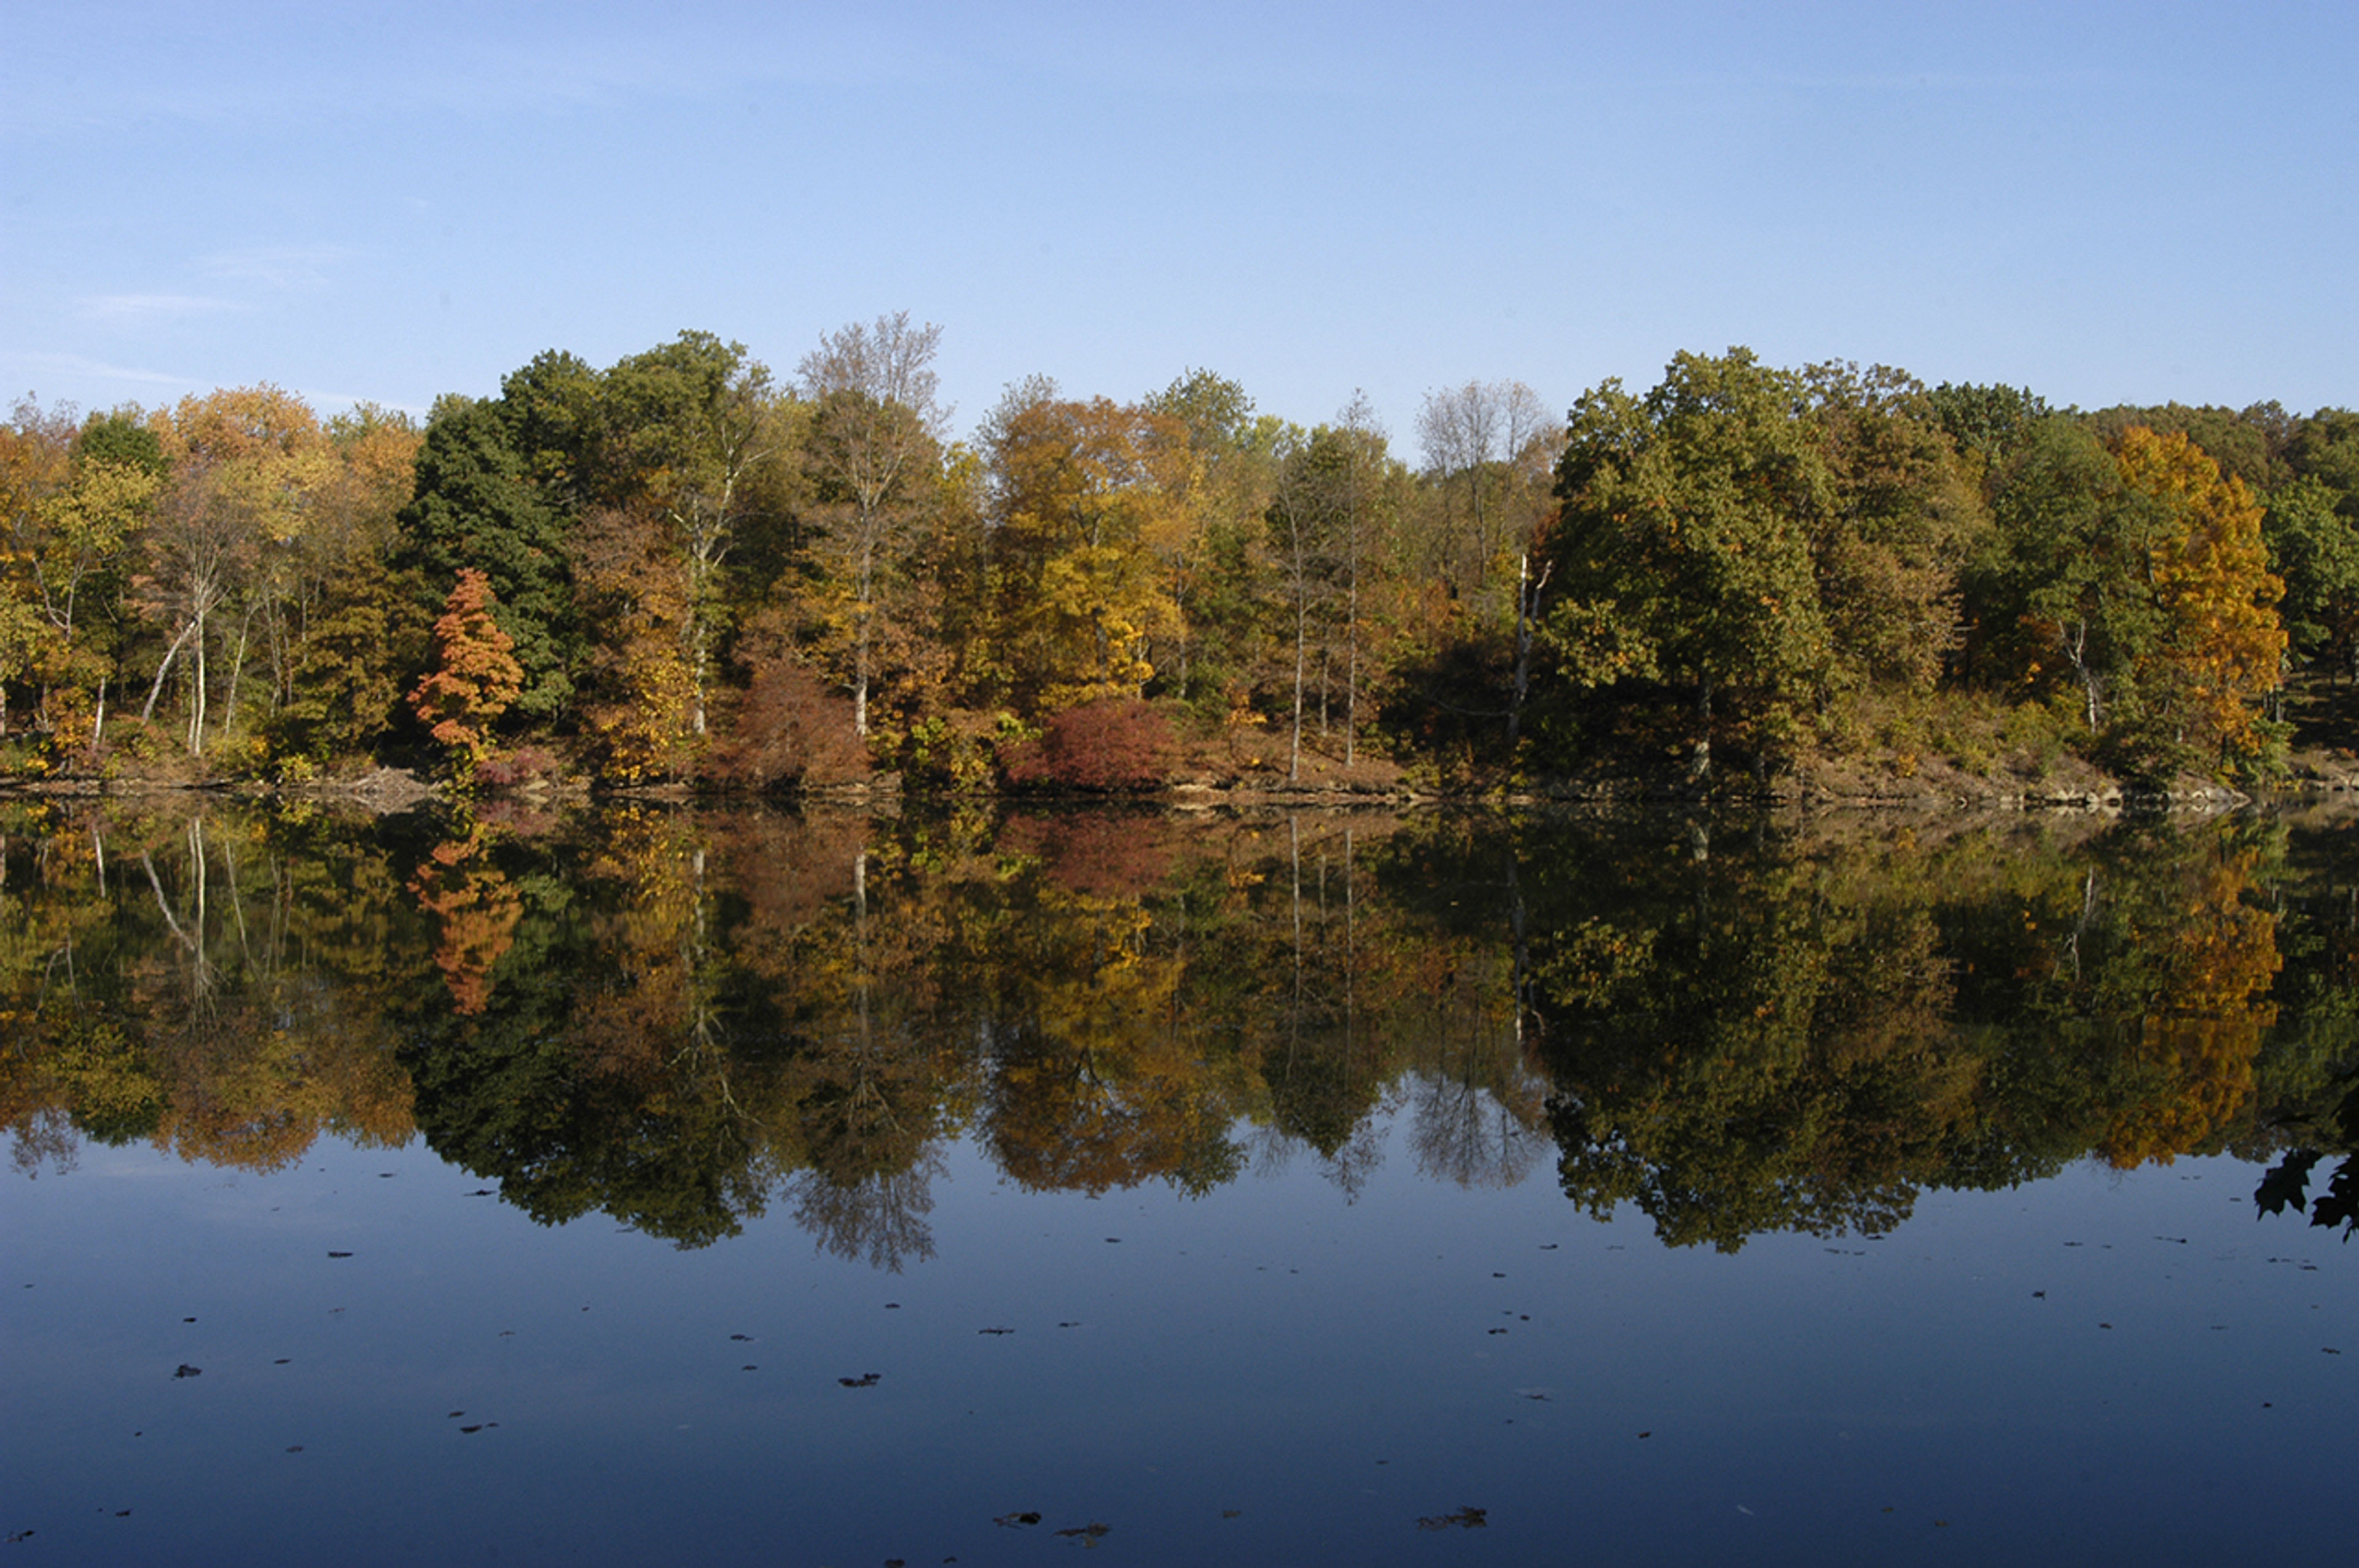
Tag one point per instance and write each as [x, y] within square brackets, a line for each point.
[1766, 1039]
[680, 1019]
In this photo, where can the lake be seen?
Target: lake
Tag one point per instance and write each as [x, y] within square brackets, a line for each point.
[1325, 1187]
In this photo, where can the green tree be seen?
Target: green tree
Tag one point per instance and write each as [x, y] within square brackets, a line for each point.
[1903, 518]
[1684, 543]
[690, 425]
[488, 503]
[2061, 584]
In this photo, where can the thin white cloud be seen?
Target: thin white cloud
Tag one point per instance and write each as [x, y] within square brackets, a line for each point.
[81, 367]
[143, 308]
[276, 266]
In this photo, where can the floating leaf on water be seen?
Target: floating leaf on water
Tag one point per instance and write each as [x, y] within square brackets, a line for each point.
[1012, 1521]
[1464, 1519]
[477, 1427]
[185, 1370]
[339, 1254]
[1094, 1532]
[866, 1380]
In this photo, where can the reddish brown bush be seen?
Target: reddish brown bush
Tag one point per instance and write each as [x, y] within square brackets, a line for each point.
[1118, 743]
[789, 731]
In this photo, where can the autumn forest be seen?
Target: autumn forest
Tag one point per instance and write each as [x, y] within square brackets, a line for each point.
[683, 569]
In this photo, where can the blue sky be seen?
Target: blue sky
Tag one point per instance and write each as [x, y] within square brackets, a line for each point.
[2105, 202]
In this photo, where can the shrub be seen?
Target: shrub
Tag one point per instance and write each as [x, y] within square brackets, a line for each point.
[789, 731]
[1118, 743]
[519, 769]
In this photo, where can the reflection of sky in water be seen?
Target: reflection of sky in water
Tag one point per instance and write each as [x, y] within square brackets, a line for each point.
[1332, 1371]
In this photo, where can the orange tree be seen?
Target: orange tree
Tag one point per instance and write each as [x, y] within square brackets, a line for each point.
[475, 675]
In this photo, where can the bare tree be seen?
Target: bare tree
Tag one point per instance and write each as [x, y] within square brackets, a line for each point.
[203, 541]
[1487, 448]
[1477, 437]
[877, 425]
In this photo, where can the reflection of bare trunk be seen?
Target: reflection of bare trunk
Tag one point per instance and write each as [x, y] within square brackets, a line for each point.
[2088, 914]
[1294, 850]
[1351, 944]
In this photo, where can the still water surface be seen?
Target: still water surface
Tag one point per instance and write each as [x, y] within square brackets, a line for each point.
[1319, 1190]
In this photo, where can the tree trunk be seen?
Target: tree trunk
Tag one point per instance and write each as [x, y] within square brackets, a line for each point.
[1699, 761]
[1528, 614]
[147, 711]
[1294, 752]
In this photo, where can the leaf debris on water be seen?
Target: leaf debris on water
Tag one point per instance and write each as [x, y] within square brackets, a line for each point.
[866, 1380]
[1464, 1519]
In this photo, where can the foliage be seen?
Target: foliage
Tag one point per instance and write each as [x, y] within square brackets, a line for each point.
[2220, 646]
[1116, 744]
[1689, 511]
[485, 501]
[475, 675]
[789, 730]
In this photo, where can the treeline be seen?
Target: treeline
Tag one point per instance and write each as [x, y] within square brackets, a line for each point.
[682, 567]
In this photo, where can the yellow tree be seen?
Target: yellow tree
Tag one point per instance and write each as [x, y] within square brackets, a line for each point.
[2222, 646]
[33, 447]
[877, 431]
[1087, 493]
[644, 709]
[248, 466]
